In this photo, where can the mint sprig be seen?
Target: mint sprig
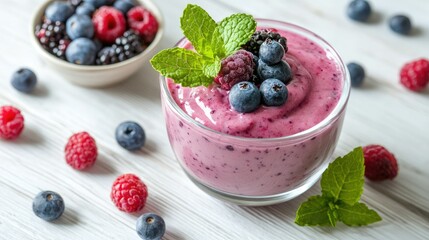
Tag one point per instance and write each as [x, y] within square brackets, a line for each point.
[212, 42]
[342, 186]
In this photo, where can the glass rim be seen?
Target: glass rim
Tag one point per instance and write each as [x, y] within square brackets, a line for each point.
[333, 115]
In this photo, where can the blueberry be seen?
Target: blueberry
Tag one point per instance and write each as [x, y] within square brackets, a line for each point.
[79, 26]
[273, 92]
[271, 52]
[245, 97]
[279, 71]
[81, 51]
[24, 80]
[59, 11]
[150, 226]
[130, 135]
[400, 24]
[359, 10]
[123, 6]
[48, 205]
[98, 3]
[357, 74]
[85, 9]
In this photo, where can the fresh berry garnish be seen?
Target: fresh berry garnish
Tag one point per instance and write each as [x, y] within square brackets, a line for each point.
[59, 11]
[24, 80]
[415, 75]
[125, 47]
[280, 71]
[244, 97]
[81, 51]
[380, 164]
[260, 36]
[235, 68]
[124, 5]
[130, 135]
[109, 24]
[79, 26]
[359, 10]
[53, 38]
[129, 193]
[400, 24]
[85, 9]
[81, 151]
[142, 21]
[48, 205]
[11, 122]
[150, 226]
[357, 74]
[273, 92]
[271, 52]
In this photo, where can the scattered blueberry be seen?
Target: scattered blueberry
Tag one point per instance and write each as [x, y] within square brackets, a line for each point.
[245, 97]
[359, 10]
[24, 80]
[85, 9]
[273, 92]
[123, 6]
[79, 26]
[150, 226]
[357, 74]
[279, 71]
[271, 52]
[59, 11]
[130, 135]
[81, 51]
[400, 24]
[48, 205]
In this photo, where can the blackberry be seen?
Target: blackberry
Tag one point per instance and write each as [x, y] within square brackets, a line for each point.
[53, 38]
[125, 47]
[260, 36]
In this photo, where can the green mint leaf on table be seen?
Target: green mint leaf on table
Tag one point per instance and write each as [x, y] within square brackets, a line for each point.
[342, 186]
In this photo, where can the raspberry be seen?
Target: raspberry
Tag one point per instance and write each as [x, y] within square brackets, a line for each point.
[142, 21]
[129, 193]
[260, 36]
[81, 151]
[109, 24]
[11, 122]
[235, 68]
[415, 75]
[380, 164]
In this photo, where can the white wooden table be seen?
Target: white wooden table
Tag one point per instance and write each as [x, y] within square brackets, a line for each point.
[380, 112]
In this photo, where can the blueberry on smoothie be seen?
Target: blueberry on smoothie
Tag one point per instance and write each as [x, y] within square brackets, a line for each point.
[245, 97]
[357, 74]
[48, 205]
[273, 92]
[81, 51]
[59, 11]
[359, 10]
[271, 52]
[280, 71]
[78, 26]
[400, 24]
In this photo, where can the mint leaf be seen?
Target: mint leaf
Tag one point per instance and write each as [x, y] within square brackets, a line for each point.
[357, 215]
[314, 212]
[184, 66]
[235, 31]
[343, 180]
[332, 214]
[212, 69]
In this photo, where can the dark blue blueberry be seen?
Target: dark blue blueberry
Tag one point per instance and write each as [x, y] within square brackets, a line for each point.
[48, 205]
[271, 52]
[150, 226]
[81, 51]
[273, 92]
[123, 6]
[130, 135]
[85, 9]
[24, 80]
[244, 97]
[400, 24]
[79, 26]
[98, 3]
[357, 74]
[279, 71]
[359, 10]
[59, 11]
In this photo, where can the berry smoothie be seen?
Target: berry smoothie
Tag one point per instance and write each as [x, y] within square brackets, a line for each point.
[273, 150]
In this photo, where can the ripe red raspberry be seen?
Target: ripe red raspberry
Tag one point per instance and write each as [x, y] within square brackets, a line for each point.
[415, 75]
[109, 24]
[235, 68]
[129, 193]
[81, 151]
[11, 122]
[142, 21]
[380, 164]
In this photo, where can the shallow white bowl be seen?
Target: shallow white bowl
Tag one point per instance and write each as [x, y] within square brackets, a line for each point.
[97, 76]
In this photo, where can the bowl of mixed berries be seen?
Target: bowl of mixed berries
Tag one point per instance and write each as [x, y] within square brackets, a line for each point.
[95, 43]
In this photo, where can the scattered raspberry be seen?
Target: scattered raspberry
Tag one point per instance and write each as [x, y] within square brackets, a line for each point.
[81, 151]
[380, 164]
[415, 75]
[142, 21]
[109, 24]
[129, 193]
[11, 122]
[235, 68]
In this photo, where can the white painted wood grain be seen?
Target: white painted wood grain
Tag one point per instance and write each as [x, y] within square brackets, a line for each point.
[381, 112]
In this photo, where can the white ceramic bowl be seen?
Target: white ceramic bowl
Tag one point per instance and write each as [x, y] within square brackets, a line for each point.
[97, 76]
